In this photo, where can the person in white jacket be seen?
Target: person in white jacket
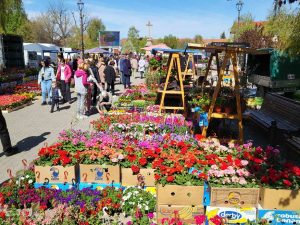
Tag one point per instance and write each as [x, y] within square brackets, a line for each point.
[142, 66]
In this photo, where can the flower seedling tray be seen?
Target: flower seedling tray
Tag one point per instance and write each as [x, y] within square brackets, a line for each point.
[17, 108]
[55, 174]
[96, 186]
[130, 179]
[179, 195]
[101, 174]
[233, 197]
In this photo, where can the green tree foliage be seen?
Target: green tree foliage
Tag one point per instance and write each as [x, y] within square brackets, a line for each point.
[198, 39]
[246, 24]
[285, 28]
[95, 25]
[134, 42]
[223, 36]
[12, 17]
[171, 41]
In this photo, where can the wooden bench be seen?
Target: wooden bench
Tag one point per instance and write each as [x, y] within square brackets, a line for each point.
[279, 113]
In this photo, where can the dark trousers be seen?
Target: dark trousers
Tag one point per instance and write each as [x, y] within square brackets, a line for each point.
[95, 93]
[65, 91]
[111, 87]
[126, 81]
[4, 135]
[55, 102]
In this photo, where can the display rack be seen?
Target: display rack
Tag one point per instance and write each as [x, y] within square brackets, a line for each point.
[187, 71]
[231, 53]
[173, 66]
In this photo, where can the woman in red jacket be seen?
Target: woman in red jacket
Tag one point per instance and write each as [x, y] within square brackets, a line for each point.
[64, 74]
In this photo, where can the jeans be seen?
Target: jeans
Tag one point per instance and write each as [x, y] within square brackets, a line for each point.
[55, 102]
[122, 78]
[80, 103]
[46, 89]
[4, 135]
[126, 81]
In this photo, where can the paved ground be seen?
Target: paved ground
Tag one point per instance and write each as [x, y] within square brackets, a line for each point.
[33, 126]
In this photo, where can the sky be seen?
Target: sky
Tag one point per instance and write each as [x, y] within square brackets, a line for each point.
[182, 18]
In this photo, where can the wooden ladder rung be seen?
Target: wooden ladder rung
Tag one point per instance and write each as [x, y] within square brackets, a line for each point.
[171, 92]
[173, 107]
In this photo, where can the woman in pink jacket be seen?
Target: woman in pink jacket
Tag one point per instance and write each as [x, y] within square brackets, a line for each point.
[64, 74]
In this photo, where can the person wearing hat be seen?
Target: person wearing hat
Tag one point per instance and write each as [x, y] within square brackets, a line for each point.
[105, 102]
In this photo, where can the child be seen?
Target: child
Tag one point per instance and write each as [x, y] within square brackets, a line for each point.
[56, 94]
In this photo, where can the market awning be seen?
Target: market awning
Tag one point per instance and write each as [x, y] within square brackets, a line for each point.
[96, 50]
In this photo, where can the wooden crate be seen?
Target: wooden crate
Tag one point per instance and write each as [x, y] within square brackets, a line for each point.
[279, 199]
[179, 195]
[230, 197]
[129, 179]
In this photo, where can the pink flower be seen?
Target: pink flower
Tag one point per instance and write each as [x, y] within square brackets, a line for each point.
[244, 162]
[242, 181]
[150, 215]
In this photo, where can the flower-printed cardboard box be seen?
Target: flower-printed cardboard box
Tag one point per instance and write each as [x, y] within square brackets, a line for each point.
[101, 174]
[55, 174]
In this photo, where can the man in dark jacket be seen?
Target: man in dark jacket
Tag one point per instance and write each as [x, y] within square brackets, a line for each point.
[5, 139]
[96, 75]
[127, 72]
[110, 77]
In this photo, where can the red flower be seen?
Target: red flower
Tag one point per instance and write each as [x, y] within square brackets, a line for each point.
[3, 215]
[258, 161]
[43, 207]
[131, 157]
[184, 150]
[143, 161]
[135, 169]
[202, 176]
[287, 183]
[157, 176]
[157, 150]
[55, 161]
[65, 160]
[265, 179]
[199, 137]
[296, 171]
[170, 178]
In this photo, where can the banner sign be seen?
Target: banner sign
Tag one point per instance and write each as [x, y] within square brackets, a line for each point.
[109, 38]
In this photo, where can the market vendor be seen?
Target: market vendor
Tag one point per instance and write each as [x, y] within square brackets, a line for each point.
[105, 102]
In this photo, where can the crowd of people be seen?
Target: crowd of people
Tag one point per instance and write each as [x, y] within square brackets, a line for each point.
[94, 80]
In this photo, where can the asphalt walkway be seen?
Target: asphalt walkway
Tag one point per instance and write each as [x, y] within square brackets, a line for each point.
[34, 126]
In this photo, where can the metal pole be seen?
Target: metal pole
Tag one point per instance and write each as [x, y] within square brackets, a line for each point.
[239, 7]
[80, 7]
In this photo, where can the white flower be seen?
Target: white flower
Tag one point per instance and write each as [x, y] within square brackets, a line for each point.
[146, 208]
[30, 181]
[22, 178]
[17, 182]
[27, 176]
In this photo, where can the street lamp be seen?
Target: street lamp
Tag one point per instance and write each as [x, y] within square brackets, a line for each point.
[80, 4]
[239, 6]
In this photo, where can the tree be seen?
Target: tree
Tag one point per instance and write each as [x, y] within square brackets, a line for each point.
[171, 41]
[246, 23]
[12, 17]
[285, 28]
[134, 42]
[198, 39]
[256, 38]
[94, 26]
[223, 36]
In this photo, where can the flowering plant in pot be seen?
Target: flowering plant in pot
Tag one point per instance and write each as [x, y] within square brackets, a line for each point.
[111, 200]
[200, 101]
[134, 198]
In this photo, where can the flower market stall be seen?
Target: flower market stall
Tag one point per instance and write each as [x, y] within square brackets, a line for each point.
[148, 168]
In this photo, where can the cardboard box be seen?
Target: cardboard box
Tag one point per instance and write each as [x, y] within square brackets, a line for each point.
[57, 186]
[179, 195]
[55, 174]
[97, 186]
[278, 217]
[185, 213]
[129, 179]
[100, 174]
[233, 197]
[231, 215]
[279, 199]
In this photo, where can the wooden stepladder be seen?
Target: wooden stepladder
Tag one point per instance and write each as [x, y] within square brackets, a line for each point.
[233, 56]
[173, 66]
[187, 71]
